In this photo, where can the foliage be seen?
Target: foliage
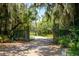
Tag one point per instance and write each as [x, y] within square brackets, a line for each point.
[74, 44]
[71, 41]
[4, 39]
[64, 41]
[15, 17]
[44, 27]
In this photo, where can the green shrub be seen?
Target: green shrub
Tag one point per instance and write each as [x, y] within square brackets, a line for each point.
[64, 41]
[78, 45]
[73, 52]
[4, 38]
[72, 45]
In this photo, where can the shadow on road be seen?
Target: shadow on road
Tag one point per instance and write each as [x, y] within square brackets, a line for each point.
[39, 47]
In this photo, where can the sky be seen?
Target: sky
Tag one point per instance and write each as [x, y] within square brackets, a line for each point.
[41, 11]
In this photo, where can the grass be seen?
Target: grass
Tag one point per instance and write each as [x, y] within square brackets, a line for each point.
[49, 36]
[33, 34]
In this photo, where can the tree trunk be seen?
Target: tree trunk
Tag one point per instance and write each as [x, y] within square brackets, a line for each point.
[55, 33]
[26, 34]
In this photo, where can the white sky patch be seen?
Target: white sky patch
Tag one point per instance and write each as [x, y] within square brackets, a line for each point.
[41, 13]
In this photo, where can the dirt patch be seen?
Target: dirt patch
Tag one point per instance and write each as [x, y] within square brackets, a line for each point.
[37, 47]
